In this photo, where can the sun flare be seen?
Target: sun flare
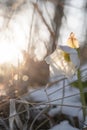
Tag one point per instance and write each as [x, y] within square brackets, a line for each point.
[9, 54]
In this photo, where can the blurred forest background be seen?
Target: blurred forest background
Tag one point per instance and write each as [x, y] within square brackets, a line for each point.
[32, 29]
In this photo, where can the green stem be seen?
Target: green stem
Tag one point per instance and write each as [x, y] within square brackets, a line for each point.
[81, 93]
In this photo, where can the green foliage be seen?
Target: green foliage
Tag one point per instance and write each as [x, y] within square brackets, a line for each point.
[75, 84]
[84, 83]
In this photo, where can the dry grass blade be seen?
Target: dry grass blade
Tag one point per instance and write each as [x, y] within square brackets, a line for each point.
[14, 118]
[40, 13]
[40, 113]
[3, 125]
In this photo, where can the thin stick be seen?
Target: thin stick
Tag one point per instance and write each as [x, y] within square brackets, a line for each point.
[63, 94]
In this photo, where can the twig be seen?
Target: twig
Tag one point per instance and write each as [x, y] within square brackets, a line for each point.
[47, 97]
[40, 13]
[31, 127]
[14, 7]
[42, 124]
[63, 94]
[30, 33]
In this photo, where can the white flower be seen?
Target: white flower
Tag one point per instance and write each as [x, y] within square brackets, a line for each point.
[64, 60]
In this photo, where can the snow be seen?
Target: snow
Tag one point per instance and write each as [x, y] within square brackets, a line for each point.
[54, 96]
[63, 126]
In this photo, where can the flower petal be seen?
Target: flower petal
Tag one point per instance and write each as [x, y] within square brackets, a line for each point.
[51, 57]
[72, 41]
[58, 64]
[73, 55]
[75, 60]
[68, 49]
[54, 60]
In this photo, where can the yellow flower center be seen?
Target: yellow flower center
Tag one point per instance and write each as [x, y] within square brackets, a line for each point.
[66, 56]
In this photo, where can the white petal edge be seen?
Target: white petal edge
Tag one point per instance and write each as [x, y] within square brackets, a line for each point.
[75, 60]
[68, 49]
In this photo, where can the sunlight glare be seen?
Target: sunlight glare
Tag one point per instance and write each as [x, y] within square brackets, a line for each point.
[9, 54]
